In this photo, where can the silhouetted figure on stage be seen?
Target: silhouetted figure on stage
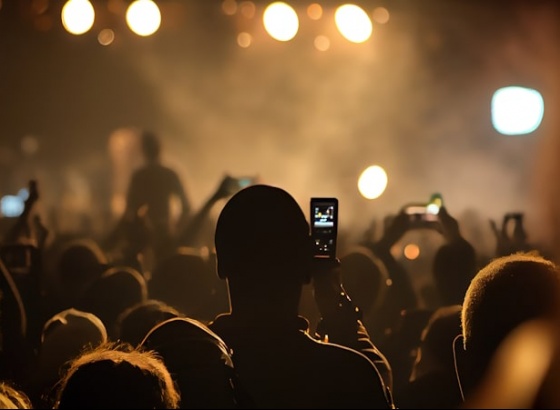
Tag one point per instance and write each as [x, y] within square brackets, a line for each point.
[148, 222]
[264, 250]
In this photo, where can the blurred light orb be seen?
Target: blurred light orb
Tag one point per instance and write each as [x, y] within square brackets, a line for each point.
[248, 9]
[516, 110]
[353, 23]
[380, 15]
[322, 43]
[281, 21]
[77, 16]
[411, 251]
[143, 17]
[29, 145]
[432, 209]
[106, 37]
[229, 7]
[244, 39]
[314, 11]
[372, 182]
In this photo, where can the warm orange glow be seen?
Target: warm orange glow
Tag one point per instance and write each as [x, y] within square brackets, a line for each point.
[411, 251]
[315, 11]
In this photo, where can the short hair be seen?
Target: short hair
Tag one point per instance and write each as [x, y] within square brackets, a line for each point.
[364, 277]
[199, 361]
[454, 266]
[262, 228]
[134, 323]
[505, 293]
[116, 375]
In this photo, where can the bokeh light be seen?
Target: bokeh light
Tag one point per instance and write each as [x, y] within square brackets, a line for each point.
[143, 17]
[281, 21]
[77, 16]
[106, 37]
[322, 43]
[353, 23]
[372, 182]
[244, 39]
[315, 11]
[229, 7]
[380, 15]
[516, 110]
[248, 9]
[411, 251]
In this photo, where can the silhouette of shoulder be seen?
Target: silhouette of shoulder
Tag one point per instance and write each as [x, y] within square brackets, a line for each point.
[284, 367]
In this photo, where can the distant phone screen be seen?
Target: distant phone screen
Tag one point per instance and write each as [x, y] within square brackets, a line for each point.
[422, 215]
[324, 226]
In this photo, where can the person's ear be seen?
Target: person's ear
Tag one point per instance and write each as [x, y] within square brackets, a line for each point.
[220, 270]
[459, 359]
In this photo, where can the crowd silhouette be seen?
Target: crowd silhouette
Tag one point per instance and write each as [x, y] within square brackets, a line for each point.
[85, 322]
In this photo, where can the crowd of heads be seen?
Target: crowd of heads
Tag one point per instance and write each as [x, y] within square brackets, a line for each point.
[159, 321]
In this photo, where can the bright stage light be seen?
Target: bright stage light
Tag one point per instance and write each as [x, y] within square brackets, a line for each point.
[516, 110]
[353, 23]
[281, 21]
[143, 17]
[372, 182]
[77, 16]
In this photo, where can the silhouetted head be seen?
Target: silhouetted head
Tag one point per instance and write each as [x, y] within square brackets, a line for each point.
[364, 278]
[199, 361]
[118, 288]
[454, 267]
[151, 145]
[116, 376]
[184, 280]
[80, 262]
[436, 343]
[262, 235]
[134, 323]
[64, 336]
[507, 292]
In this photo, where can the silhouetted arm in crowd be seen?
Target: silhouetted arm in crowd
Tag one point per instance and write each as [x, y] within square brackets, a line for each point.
[190, 233]
[28, 228]
[509, 242]
[401, 292]
[340, 319]
[21, 254]
[131, 237]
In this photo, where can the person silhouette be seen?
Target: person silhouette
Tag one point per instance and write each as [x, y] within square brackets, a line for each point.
[506, 293]
[264, 252]
[200, 364]
[151, 189]
[116, 375]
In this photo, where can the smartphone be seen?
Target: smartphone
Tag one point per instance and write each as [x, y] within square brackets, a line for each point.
[324, 226]
[422, 215]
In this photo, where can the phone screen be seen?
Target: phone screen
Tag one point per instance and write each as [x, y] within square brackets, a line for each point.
[324, 226]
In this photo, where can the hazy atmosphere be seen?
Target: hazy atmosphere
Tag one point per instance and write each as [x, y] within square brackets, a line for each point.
[414, 99]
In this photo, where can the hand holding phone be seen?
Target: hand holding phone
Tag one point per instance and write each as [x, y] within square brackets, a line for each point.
[324, 226]
[425, 215]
